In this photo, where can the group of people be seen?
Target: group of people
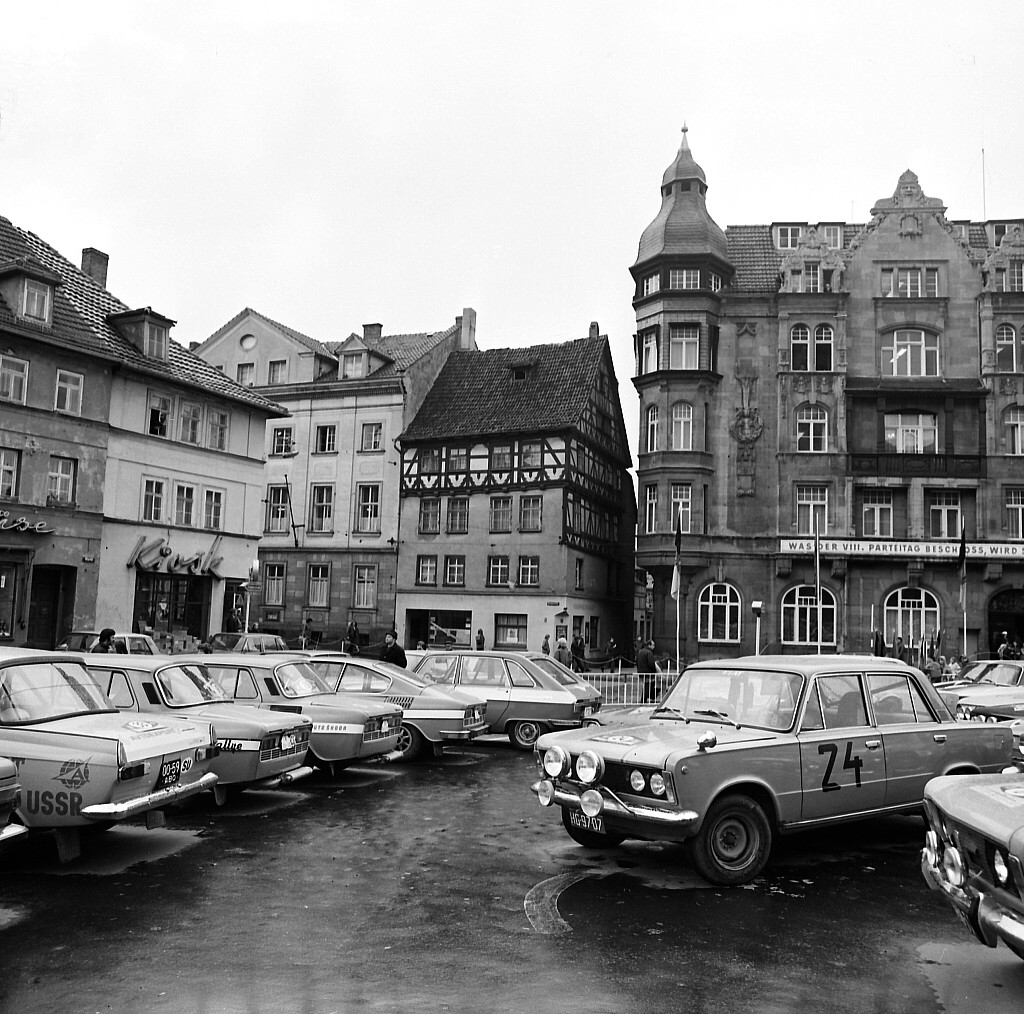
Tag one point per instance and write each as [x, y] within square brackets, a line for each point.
[571, 654]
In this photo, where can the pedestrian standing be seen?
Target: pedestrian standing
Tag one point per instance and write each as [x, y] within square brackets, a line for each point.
[546, 646]
[647, 667]
[562, 653]
[578, 652]
[352, 638]
[480, 640]
[393, 652]
[106, 640]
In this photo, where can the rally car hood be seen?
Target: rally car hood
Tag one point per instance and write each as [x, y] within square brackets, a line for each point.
[143, 736]
[992, 805]
[239, 721]
[988, 695]
[652, 741]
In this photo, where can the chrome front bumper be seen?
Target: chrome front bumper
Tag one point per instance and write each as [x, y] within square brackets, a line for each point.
[151, 801]
[616, 809]
[11, 831]
[988, 919]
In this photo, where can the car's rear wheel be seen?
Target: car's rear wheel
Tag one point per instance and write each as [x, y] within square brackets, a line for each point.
[410, 742]
[590, 839]
[525, 734]
[734, 841]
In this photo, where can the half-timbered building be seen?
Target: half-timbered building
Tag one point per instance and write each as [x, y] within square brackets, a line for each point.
[517, 514]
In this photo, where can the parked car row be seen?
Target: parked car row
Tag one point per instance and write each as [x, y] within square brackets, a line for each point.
[88, 739]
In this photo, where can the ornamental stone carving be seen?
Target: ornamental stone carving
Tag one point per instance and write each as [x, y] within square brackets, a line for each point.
[1007, 385]
[746, 430]
[1011, 248]
[812, 249]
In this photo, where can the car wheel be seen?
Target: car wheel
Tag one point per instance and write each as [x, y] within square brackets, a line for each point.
[734, 841]
[525, 734]
[410, 742]
[590, 839]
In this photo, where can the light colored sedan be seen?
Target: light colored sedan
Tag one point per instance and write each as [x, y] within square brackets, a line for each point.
[528, 693]
[432, 714]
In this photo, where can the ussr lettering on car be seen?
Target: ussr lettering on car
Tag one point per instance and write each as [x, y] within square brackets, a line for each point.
[47, 803]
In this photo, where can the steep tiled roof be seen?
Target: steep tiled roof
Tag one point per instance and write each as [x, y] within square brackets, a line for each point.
[475, 394]
[80, 309]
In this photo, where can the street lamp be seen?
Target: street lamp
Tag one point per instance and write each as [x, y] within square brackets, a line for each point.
[755, 607]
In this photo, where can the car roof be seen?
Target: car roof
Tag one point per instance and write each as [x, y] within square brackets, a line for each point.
[806, 664]
[237, 657]
[124, 661]
[13, 653]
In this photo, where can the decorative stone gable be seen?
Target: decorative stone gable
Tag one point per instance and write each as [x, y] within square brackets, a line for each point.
[813, 248]
[1010, 249]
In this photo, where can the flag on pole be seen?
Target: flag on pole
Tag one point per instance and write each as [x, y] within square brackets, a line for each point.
[961, 562]
[817, 558]
[679, 544]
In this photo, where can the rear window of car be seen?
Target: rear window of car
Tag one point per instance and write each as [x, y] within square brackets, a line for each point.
[559, 672]
[226, 641]
[438, 668]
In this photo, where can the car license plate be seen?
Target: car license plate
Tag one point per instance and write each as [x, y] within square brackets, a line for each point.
[581, 820]
[170, 772]
[587, 712]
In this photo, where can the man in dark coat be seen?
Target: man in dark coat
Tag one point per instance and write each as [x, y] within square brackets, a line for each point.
[393, 652]
[647, 667]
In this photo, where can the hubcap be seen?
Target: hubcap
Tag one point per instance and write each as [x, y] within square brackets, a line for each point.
[732, 841]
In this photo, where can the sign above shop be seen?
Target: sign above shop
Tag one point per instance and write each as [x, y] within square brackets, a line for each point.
[9, 524]
[946, 551]
[157, 555]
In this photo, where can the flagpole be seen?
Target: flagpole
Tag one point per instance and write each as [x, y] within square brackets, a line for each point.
[817, 574]
[677, 578]
[963, 578]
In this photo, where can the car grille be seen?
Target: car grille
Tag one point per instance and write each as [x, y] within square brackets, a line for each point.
[616, 778]
[400, 702]
[301, 737]
[373, 729]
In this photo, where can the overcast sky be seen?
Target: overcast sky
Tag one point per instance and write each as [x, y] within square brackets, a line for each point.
[335, 164]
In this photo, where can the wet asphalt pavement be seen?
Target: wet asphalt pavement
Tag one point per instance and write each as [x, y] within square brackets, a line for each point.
[444, 886]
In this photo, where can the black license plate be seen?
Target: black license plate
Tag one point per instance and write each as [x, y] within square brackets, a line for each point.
[170, 772]
[585, 823]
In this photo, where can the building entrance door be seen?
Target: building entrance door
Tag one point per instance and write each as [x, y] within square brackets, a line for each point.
[1005, 612]
[53, 595]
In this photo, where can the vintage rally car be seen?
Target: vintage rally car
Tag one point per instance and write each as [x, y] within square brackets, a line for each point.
[432, 713]
[255, 747]
[527, 693]
[9, 790]
[974, 852]
[124, 644]
[346, 728]
[988, 691]
[80, 761]
[239, 641]
[742, 749]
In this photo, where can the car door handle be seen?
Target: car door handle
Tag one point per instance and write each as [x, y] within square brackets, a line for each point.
[873, 744]
[939, 737]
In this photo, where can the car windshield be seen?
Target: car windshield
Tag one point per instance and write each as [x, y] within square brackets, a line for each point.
[757, 697]
[80, 640]
[297, 679]
[1003, 674]
[396, 670]
[226, 642]
[182, 685]
[555, 669]
[42, 691]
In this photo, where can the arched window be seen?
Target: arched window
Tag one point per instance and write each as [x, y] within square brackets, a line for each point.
[718, 613]
[800, 616]
[682, 427]
[1013, 420]
[911, 614]
[823, 347]
[1006, 349]
[799, 347]
[910, 353]
[652, 429]
[812, 429]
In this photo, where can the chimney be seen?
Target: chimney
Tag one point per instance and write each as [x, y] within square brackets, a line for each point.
[94, 264]
[467, 330]
[372, 331]
[595, 329]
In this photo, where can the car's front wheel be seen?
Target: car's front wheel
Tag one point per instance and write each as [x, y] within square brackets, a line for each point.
[590, 839]
[410, 742]
[525, 734]
[734, 841]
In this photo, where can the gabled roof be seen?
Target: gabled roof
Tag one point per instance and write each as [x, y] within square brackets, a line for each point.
[310, 343]
[476, 395]
[80, 310]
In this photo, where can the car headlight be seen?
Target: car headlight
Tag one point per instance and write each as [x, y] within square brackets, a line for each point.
[992, 718]
[658, 784]
[962, 712]
[589, 767]
[556, 762]
[591, 802]
[1002, 871]
[954, 866]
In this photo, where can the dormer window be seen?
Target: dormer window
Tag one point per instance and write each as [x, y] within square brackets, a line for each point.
[37, 300]
[156, 341]
[352, 365]
[146, 330]
[787, 237]
[833, 236]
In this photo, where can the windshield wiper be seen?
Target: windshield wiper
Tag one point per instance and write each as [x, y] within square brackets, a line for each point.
[711, 713]
[665, 707]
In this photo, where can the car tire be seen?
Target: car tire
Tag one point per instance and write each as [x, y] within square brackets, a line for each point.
[525, 734]
[411, 742]
[590, 839]
[734, 842]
